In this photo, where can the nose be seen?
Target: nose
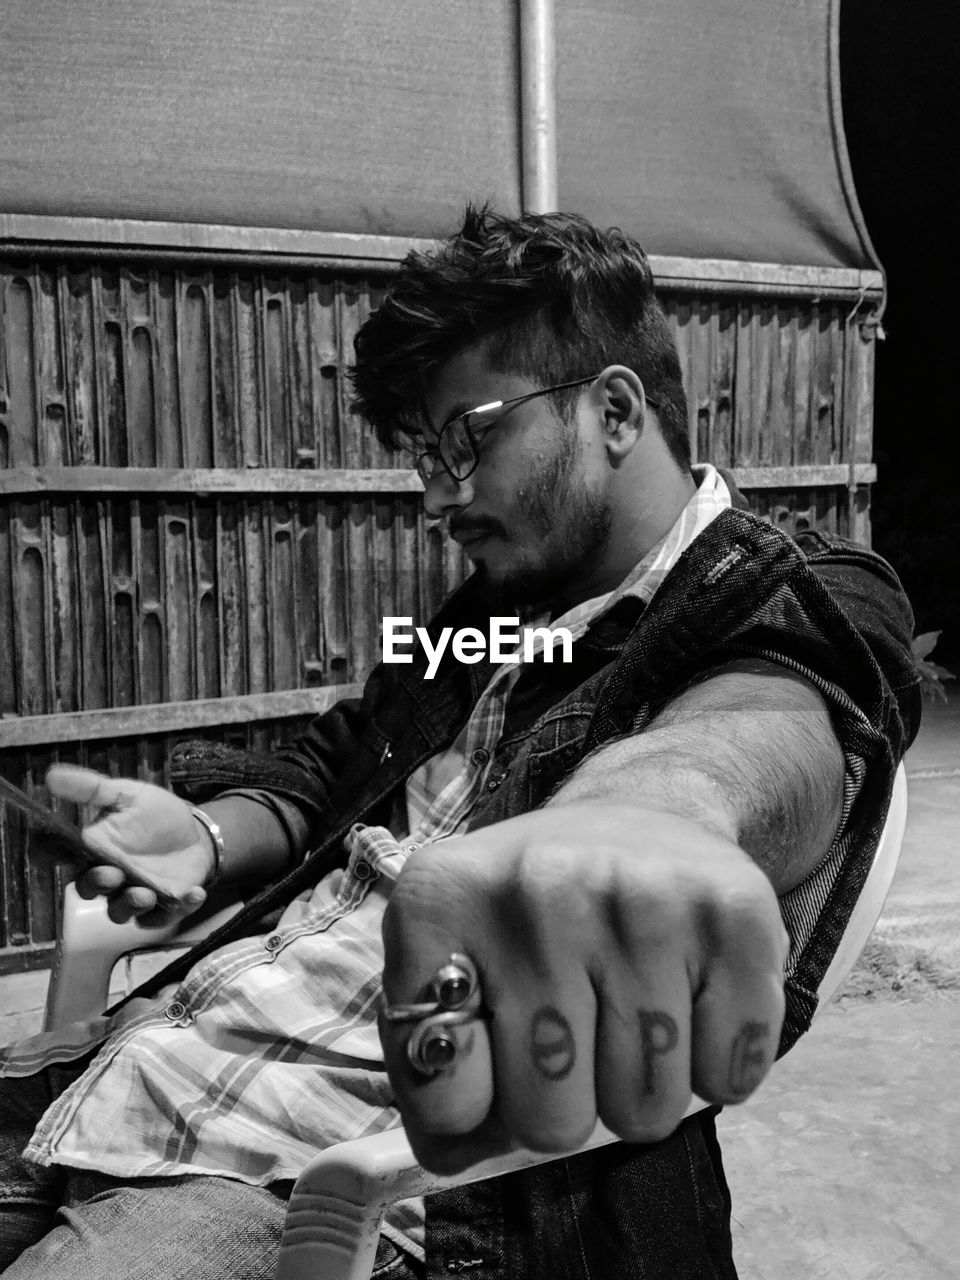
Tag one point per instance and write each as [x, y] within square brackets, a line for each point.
[442, 494]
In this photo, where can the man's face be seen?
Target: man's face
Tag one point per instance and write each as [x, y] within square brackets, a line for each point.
[532, 517]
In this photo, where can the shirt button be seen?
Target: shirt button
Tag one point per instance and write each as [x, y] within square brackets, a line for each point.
[480, 756]
[175, 1010]
[273, 942]
[363, 871]
[494, 783]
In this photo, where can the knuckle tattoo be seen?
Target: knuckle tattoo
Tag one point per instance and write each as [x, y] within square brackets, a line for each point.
[553, 1049]
[749, 1058]
[659, 1035]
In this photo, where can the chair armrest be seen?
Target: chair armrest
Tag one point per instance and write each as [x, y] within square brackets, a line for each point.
[338, 1202]
[869, 904]
[337, 1206]
[90, 944]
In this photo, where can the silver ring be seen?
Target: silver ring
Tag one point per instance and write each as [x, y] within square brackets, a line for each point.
[408, 1012]
[456, 999]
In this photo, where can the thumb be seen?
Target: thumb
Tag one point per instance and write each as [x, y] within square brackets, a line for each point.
[86, 786]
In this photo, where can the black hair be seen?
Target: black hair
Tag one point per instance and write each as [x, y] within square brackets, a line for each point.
[553, 297]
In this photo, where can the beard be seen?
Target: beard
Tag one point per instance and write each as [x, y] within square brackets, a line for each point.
[572, 523]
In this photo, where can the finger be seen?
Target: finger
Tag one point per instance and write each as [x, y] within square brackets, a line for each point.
[85, 786]
[736, 1030]
[134, 904]
[99, 881]
[417, 944]
[163, 915]
[131, 903]
[456, 1099]
[543, 1030]
[739, 1010]
[160, 917]
[193, 899]
[643, 1054]
[450, 1155]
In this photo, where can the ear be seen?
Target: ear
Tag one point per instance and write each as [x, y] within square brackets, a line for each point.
[623, 408]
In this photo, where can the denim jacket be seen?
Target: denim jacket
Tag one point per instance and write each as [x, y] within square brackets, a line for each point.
[817, 604]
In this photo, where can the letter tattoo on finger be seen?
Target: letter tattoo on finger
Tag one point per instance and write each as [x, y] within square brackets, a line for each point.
[658, 1035]
[748, 1058]
[553, 1049]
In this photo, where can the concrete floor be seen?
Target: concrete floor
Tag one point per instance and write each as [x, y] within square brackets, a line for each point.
[846, 1164]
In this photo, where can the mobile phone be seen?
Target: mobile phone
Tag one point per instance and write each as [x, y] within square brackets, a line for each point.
[50, 836]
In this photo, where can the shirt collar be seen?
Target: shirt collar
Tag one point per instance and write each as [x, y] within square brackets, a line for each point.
[711, 497]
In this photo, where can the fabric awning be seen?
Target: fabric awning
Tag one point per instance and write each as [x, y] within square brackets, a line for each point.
[709, 128]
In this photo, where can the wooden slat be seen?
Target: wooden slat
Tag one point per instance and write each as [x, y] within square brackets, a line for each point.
[24, 959]
[803, 477]
[203, 481]
[723, 275]
[168, 717]
[206, 481]
[25, 233]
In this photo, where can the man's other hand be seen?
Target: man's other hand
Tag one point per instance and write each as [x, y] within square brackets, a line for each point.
[628, 958]
[144, 825]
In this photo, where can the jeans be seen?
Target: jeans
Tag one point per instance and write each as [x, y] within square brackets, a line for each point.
[654, 1212]
[72, 1224]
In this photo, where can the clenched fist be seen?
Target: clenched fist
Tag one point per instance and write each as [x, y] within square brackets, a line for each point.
[628, 958]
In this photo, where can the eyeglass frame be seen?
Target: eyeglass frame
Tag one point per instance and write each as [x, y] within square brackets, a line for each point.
[434, 452]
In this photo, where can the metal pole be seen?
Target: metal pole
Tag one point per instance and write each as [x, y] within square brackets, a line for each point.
[538, 98]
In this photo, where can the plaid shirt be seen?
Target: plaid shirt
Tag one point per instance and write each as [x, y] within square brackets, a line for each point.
[268, 1051]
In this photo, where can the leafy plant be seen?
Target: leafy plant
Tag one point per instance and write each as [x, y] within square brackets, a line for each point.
[932, 674]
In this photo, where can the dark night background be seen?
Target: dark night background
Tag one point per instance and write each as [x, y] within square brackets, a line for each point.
[900, 67]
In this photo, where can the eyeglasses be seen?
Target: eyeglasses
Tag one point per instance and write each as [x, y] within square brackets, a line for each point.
[457, 446]
[458, 441]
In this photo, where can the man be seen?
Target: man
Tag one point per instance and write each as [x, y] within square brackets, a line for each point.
[589, 862]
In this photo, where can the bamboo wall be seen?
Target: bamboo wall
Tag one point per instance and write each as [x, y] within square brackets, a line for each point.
[197, 535]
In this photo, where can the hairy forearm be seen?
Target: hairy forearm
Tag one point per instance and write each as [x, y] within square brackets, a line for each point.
[749, 753]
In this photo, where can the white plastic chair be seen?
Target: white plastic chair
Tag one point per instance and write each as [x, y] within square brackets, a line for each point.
[337, 1206]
